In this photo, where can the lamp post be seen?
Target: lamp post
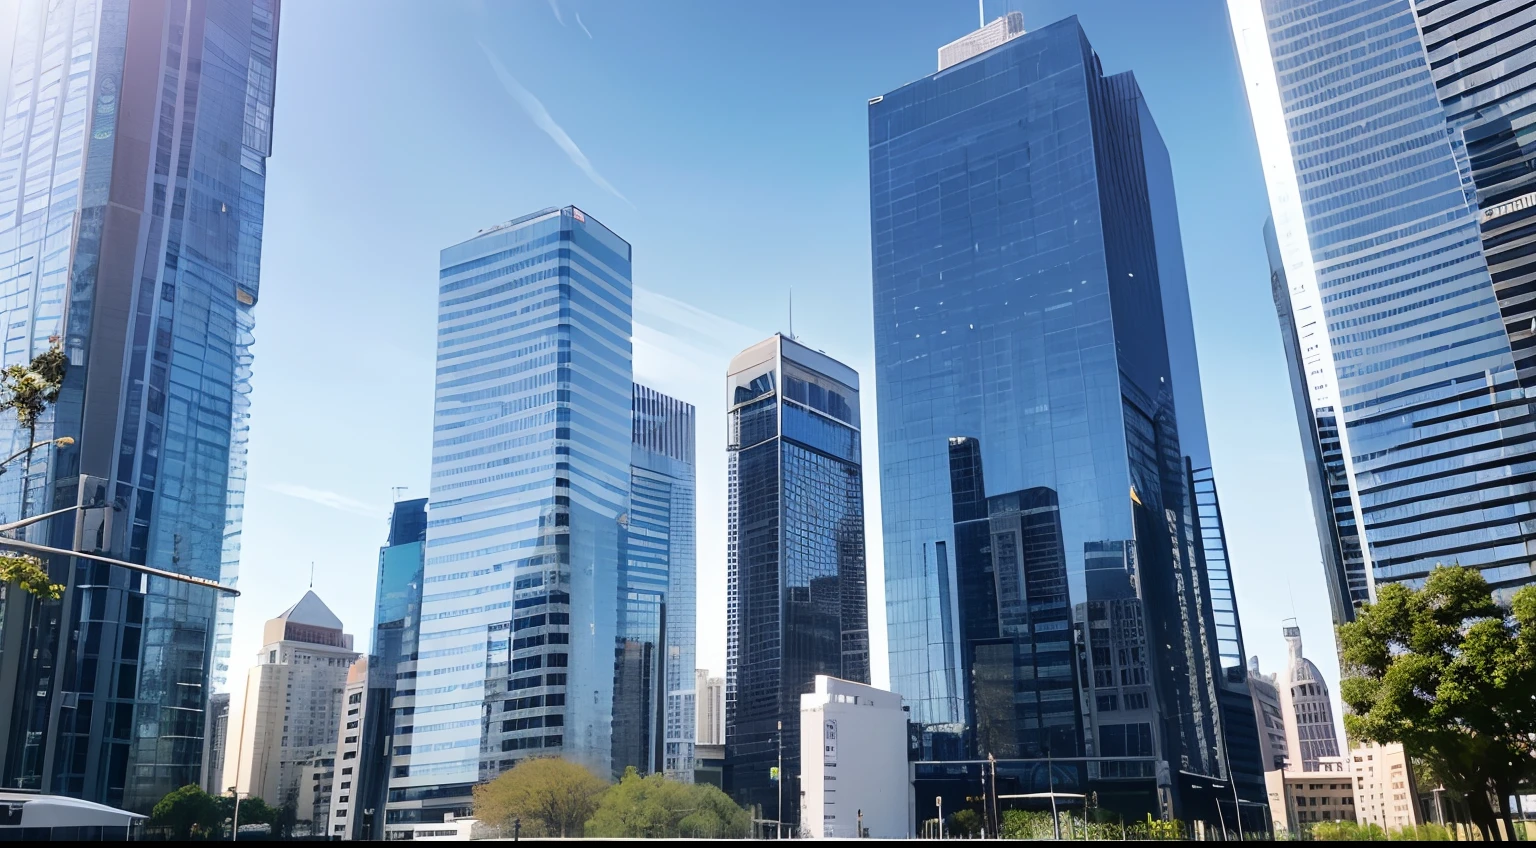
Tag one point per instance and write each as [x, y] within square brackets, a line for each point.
[778, 825]
[234, 823]
[1050, 777]
[940, 802]
[997, 818]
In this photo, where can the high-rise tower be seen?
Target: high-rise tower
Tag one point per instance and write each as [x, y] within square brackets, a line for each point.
[1395, 141]
[531, 466]
[1057, 583]
[795, 591]
[133, 148]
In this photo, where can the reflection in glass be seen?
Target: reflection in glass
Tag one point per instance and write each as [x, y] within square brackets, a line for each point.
[796, 603]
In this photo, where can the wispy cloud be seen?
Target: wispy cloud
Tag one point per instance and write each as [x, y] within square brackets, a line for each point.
[555, 7]
[327, 499]
[541, 118]
[580, 24]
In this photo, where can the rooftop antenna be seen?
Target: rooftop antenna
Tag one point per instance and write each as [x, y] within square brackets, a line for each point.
[981, 11]
[792, 313]
[311, 574]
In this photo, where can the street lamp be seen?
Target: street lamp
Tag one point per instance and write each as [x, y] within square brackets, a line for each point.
[234, 823]
[62, 441]
[778, 825]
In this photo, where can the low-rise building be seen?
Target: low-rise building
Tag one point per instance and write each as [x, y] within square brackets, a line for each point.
[1300, 799]
[853, 759]
[1384, 786]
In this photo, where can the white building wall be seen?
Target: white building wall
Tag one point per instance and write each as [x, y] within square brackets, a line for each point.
[853, 755]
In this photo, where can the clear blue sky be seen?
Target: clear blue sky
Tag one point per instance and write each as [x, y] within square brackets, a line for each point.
[732, 141]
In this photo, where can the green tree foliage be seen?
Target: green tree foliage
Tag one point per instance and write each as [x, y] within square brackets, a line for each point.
[1452, 676]
[188, 813]
[965, 823]
[28, 573]
[29, 390]
[550, 796]
[252, 811]
[655, 806]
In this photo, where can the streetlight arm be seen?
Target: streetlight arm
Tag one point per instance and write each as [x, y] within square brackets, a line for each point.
[27, 522]
[33, 547]
[62, 442]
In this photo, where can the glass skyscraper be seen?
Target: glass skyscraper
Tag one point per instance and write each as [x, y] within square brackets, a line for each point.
[1381, 126]
[133, 147]
[795, 592]
[653, 698]
[396, 626]
[531, 465]
[1057, 590]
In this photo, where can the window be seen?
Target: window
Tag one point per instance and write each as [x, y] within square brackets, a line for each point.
[355, 698]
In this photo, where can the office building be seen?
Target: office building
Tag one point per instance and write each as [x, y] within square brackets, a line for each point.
[795, 592]
[1413, 417]
[653, 697]
[1057, 582]
[363, 741]
[316, 768]
[133, 146]
[1482, 56]
[1269, 716]
[284, 734]
[1386, 792]
[1308, 709]
[853, 745]
[352, 752]
[531, 465]
[213, 743]
[711, 708]
[1300, 799]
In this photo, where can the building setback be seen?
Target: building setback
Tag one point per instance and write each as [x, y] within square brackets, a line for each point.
[282, 743]
[133, 144]
[795, 590]
[1057, 579]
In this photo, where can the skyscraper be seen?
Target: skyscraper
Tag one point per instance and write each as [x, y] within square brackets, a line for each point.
[531, 465]
[364, 739]
[1057, 584]
[653, 698]
[133, 147]
[292, 706]
[795, 592]
[1381, 125]
[710, 708]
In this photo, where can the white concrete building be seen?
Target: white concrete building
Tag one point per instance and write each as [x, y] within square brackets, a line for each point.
[853, 756]
[709, 708]
[1270, 716]
[346, 809]
[291, 710]
[1384, 789]
[1300, 799]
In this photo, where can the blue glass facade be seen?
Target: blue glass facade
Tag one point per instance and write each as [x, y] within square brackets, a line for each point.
[1418, 429]
[795, 586]
[653, 699]
[530, 488]
[133, 150]
[1041, 425]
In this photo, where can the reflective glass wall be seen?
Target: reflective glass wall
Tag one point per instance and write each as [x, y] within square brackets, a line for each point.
[133, 151]
[1040, 424]
[653, 698]
[1420, 427]
[530, 490]
[796, 602]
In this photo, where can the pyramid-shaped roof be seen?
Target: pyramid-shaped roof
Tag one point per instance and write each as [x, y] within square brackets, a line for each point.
[312, 611]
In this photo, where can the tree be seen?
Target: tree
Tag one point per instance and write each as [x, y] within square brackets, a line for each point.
[1451, 675]
[551, 797]
[252, 811]
[187, 812]
[30, 390]
[657, 806]
[964, 823]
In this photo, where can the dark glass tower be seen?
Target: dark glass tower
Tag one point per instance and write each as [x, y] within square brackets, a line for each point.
[794, 557]
[133, 148]
[1055, 586]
